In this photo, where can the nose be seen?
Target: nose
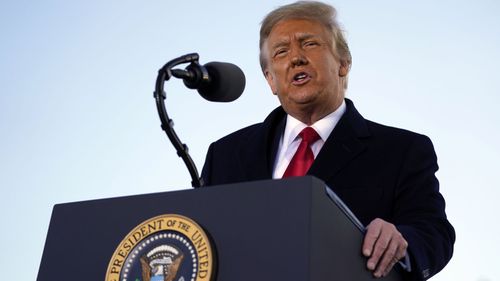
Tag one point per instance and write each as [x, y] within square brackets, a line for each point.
[298, 58]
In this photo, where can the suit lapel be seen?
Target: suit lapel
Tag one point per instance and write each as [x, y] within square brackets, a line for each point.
[258, 154]
[342, 146]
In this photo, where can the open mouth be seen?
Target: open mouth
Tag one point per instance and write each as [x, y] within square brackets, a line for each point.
[300, 78]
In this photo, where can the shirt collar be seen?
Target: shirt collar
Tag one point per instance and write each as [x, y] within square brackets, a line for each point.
[323, 127]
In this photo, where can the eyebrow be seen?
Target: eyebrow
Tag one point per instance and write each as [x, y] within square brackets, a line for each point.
[304, 36]
[281, 43]
[301, 37]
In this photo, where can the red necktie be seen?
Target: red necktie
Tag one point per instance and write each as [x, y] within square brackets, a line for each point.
[304, 157]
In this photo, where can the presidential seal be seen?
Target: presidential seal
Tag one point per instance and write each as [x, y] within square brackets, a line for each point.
[163, 248]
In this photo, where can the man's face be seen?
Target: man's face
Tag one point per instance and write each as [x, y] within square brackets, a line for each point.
[302, 69]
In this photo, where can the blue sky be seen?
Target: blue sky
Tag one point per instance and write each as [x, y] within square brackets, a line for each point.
[79, 122]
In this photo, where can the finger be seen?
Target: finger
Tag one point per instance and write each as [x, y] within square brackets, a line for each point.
[372, 233]
[388, 259]
[403, 246]
[390, 266]
[399, 254]
[386, 232]
[379, 248]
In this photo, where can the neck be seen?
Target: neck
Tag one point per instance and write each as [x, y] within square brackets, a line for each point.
[312, 115]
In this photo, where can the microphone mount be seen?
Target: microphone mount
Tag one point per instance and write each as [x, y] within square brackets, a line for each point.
[193, 81]
[195, 76]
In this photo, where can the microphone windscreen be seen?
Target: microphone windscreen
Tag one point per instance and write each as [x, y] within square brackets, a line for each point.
[227, 82]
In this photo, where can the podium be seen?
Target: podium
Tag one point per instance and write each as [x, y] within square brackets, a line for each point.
[293, 229]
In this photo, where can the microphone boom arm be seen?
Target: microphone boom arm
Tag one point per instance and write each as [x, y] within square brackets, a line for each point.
[167, 124]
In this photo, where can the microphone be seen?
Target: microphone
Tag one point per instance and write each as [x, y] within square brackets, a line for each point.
[215, 81]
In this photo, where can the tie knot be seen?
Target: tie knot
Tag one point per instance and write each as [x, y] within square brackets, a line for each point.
[309, 135]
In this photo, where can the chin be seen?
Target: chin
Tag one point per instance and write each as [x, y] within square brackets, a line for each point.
[303, 97]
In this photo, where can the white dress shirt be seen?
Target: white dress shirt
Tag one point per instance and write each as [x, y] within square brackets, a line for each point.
[290, 140]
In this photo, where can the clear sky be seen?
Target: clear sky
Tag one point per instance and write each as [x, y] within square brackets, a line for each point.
[78, 119]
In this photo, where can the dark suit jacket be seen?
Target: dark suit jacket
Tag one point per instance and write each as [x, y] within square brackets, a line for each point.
[378, 171]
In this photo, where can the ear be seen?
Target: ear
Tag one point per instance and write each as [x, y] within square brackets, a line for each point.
[343, 70]
[271, 82]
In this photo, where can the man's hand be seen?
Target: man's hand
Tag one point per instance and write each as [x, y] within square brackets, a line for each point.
[384, 246]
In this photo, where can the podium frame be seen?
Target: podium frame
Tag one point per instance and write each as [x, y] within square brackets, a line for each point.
[293, 229]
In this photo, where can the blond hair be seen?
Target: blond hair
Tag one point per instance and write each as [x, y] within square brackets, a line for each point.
[308, 10]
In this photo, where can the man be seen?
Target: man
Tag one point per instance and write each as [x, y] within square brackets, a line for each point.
[385, 175]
